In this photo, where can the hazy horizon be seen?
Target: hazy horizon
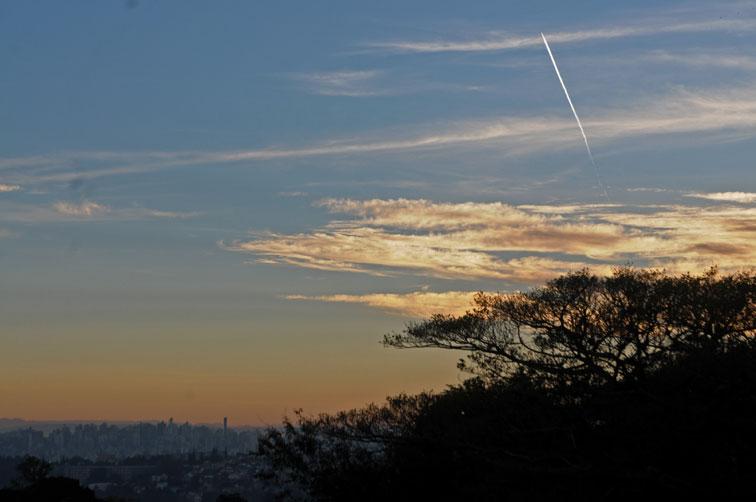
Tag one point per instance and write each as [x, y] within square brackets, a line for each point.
[6, 421]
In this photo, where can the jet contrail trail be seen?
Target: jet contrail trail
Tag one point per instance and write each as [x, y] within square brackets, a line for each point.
[577, 118]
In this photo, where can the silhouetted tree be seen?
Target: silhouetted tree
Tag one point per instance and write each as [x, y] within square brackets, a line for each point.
[32, 470]
[35, 484]
[230, 497]
[601, 387]
[581, 329]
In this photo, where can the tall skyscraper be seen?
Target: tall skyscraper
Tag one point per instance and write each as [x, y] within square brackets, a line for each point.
[225, 436]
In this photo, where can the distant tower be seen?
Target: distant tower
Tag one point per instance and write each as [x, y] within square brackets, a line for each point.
[225, 436]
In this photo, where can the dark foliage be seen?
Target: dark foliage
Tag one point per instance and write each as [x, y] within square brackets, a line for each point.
[32, 470]
[232, 497]
[621, 387]
[35, 485]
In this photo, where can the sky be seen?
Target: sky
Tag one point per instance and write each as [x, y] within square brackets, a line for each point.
[212, 211]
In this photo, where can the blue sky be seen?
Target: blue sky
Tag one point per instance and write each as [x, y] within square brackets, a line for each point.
[245, 197]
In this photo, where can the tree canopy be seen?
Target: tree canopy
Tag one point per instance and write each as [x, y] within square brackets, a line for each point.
[34, 484]
[603, 387]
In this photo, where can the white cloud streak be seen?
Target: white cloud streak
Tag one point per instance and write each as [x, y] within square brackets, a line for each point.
[9, 188]
[739, 197]
[702, 60]
[729, 112]
[577, 117]
[498, 41]
[84, 210]
[354, 83]
[375, 83]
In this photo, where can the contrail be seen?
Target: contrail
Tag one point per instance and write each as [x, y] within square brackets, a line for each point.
[577, 118]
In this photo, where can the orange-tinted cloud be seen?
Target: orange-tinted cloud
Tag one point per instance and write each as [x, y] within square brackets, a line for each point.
[522, 244]
[415, 304]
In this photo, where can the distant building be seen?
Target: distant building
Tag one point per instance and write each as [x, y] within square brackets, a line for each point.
[225, 436]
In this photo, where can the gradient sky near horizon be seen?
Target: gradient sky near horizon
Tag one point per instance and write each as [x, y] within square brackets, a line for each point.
[212, 211]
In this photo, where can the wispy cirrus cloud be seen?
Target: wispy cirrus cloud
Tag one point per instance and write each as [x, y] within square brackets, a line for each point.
[740, 197]
[355, 83]
[414, 304]
[728, 112]
[501, 41]
[517, 244]
[156, 213]
[648, 189]
[698, 59]
[9, 188]
[82, 210]
[374, 83]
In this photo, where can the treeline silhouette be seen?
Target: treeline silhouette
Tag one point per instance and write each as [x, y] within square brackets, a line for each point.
[34, 483]
[634, 385]
[35, 480]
